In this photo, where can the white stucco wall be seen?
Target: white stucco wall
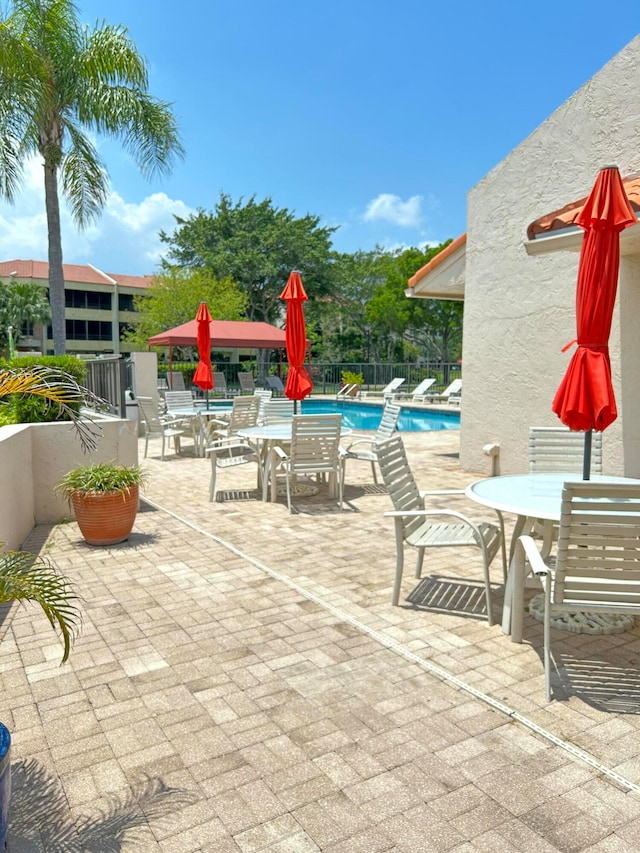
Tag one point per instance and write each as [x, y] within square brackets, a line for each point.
[34, 457]
[520, 310]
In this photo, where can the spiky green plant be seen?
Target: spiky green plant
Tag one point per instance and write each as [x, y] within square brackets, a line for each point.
[25, 577]
[100, 478]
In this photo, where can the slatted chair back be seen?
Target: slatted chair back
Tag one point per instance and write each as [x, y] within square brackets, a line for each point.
[153, 425]
[275, 384]
[244, 413]
[559, 450]
[278, 410]
[175, 380]
[247, 384]
[219, 384]
[263, 394]
[388, 423]
[400, 482]
[178, 400]
[598, 557]
[315, 444]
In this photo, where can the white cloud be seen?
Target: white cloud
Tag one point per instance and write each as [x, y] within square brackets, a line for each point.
[123, 240]
[390, 208]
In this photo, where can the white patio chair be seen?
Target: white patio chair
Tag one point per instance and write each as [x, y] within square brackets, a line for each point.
[364, 446]
[559, 450]
[432, 528]
[244, 413]
[178, 400]
[597, 567]
[388, 391]
[228, 453]
[154, 425]
[263, 394]
[315, 449]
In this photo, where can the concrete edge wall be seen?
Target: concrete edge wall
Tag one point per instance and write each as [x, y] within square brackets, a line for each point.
[34, 457]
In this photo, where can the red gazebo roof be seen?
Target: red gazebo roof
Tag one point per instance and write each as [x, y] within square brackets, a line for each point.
[224, 333]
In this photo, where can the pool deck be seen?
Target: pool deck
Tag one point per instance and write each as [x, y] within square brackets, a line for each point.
[242, 683]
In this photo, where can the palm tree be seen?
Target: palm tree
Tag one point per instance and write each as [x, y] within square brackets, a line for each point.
[20, 303]
[60, 81]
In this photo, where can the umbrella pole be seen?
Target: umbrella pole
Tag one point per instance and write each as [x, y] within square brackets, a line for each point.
[586, 467]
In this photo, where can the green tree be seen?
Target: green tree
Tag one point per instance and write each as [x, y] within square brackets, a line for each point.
[59, 82]
[431, 327]
[257, 245]
[174, 296]
[21, 303]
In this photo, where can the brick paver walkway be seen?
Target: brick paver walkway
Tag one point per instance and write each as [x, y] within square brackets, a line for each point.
[240, 685]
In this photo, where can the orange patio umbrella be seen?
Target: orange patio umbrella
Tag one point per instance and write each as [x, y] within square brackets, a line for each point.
[585, 398]
[299, 384]
[203, 377]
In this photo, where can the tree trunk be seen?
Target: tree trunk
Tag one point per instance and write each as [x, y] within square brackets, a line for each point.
[56, 274]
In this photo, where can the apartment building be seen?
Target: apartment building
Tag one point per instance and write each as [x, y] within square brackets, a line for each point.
[99, 306]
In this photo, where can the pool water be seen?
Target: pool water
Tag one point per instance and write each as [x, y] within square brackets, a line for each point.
[359, 416]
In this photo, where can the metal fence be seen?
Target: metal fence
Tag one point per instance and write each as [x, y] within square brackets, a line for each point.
[108, 377]
[327, 377]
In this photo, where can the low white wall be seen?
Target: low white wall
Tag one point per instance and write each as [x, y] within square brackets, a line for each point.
[34, 457]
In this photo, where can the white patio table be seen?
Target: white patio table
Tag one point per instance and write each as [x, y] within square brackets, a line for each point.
[529, 497]
[266, 437]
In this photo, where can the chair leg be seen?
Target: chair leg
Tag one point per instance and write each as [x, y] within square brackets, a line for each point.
[162, 450]
[547, 640]
[487, 583]
[419, 560]
[375, 476]
[212, 481]
[146, 443]
[286, 479]
[399, 561]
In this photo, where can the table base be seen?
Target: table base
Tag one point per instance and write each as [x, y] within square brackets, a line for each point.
[582, 623]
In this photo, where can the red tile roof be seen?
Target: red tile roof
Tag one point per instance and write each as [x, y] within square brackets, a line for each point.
[79, 273]
[566, 216]
[439, 258]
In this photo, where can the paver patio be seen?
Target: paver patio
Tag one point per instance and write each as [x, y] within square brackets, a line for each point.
[242, 683]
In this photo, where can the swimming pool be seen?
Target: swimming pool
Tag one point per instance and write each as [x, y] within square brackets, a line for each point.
[359, 416]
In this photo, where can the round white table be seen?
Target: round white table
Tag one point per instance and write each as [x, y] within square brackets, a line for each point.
[530, 497]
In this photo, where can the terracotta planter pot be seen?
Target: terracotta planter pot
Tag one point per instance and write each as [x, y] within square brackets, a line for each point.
[106, 518]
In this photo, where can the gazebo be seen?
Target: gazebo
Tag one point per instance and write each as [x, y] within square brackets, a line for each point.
[224, 333]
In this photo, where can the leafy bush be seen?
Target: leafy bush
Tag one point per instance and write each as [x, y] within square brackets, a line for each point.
[26, 409]
[102, 477]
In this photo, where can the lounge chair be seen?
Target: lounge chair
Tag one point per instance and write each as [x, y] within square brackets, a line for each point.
[451, 394]
[388, 391]
[596, 567]
[175, 380]
[275, 384]
[247, 384]
[219, 385]
[419, 393]
[431, 528]
[364, 446]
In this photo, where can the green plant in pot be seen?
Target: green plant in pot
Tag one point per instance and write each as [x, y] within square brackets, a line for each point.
[104, 498]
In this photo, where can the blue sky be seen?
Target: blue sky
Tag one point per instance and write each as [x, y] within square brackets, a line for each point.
[378, 117]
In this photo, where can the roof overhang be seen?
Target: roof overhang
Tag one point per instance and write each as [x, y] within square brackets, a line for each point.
[443, 277]
[570, 240]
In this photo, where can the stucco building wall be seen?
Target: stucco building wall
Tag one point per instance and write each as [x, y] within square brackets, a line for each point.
[520, 310]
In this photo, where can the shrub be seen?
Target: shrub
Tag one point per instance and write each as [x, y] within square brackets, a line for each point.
[25, 409]
[349, 378]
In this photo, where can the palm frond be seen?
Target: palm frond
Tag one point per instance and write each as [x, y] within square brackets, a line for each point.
[84, 177]
[24, 577]
[59, 388]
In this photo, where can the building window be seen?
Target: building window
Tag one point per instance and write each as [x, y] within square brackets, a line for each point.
[87, 299]
[88, 330]
[26, 329]
[125, 302]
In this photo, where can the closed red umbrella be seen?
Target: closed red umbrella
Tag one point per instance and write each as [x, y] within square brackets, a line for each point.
[299, 384]
[585, 398]
[203, 377]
